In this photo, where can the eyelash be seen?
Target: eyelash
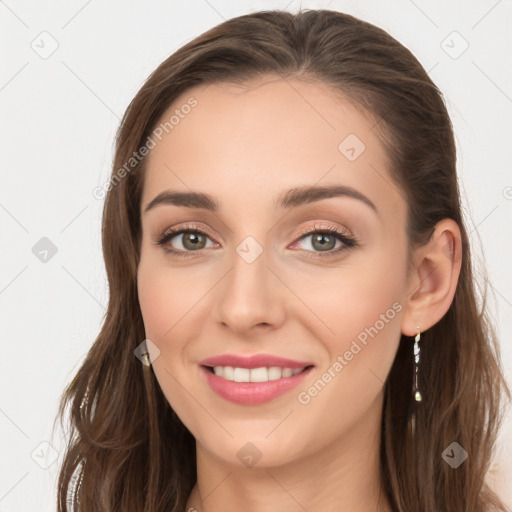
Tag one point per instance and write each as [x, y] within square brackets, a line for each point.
[348, 242]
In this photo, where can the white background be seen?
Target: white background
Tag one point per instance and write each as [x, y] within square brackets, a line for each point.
[58, 119]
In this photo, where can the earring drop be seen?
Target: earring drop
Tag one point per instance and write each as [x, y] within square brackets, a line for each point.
[417, 394]
[145, 359]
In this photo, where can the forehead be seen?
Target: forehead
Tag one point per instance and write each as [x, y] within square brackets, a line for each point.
[264, 136]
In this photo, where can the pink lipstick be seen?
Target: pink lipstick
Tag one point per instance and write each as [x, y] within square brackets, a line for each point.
[255, 379]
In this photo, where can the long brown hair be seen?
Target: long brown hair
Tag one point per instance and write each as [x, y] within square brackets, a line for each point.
[127, 448]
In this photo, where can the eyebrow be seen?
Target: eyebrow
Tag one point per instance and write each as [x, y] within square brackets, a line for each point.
[290, 199]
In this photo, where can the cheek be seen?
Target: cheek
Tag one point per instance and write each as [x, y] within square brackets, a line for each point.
[165, 297]
[365, 315]
[157, 301]
[356, 298]
[362, 307]
[164, 300]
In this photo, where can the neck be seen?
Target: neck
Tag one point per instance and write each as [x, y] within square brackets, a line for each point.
[343, 476]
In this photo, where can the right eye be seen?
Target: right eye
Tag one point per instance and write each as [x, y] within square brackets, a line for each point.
[191, 240]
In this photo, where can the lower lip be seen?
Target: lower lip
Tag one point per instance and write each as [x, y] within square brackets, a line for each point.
[253, 393]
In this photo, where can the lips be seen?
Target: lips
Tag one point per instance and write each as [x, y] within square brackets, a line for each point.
[231, 376]
[252, 393]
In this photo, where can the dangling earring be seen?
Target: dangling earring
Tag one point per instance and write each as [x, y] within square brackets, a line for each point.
[417, 394]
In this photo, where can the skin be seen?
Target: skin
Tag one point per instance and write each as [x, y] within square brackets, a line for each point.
[245, 145]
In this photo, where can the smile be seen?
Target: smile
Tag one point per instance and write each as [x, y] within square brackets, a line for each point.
[253, 386]
[261, 374]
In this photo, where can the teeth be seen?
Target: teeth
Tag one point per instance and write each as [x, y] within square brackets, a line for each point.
[274, 373]
[287, 372]
[254, 374]
[241, 374]
[259, 375]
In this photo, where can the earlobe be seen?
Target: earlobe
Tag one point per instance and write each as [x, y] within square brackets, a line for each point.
[434, 278]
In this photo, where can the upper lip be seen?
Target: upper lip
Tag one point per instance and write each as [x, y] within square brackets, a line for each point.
[255, 361]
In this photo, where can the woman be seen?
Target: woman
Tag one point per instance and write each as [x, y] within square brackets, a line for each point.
[292, 321]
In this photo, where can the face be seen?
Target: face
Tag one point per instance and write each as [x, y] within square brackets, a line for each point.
[317, 278]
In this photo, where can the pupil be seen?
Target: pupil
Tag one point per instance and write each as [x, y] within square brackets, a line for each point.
[192, 240]
[324, 241]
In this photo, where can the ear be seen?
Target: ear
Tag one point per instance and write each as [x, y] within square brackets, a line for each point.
[433, 279]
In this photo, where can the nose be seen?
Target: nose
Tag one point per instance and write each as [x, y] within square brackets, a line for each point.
[250, 297]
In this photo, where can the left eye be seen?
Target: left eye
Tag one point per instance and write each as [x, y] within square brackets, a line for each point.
[321, 241]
